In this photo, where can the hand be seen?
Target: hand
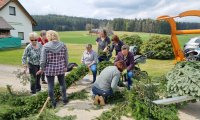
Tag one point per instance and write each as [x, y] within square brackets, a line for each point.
[39, 72]
[88, 66]
[65, 69]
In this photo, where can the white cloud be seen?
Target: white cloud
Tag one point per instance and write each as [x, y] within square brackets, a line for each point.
[109, 9]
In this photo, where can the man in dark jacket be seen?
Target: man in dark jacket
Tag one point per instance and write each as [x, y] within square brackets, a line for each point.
[128, 59]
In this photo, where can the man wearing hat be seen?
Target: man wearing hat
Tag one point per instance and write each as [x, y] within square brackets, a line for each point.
[128, 58]
[89, 58]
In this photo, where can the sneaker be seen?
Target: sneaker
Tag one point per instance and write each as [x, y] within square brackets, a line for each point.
[44, 82]
[96, 100]
[102, 101]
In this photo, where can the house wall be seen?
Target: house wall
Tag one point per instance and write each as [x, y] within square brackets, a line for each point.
[20, 22]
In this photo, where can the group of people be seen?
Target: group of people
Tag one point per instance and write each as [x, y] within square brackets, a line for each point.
[48, 56]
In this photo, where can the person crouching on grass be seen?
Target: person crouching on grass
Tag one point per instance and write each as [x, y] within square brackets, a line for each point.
[54, 61]
[89, 58]
[31, 60]
[106, 82]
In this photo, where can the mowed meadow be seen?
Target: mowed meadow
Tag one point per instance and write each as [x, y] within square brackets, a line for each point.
[76, 40]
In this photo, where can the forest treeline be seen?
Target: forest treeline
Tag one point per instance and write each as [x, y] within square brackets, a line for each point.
[68, 23]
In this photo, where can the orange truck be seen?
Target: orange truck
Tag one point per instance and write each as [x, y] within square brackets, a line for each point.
[178, 52]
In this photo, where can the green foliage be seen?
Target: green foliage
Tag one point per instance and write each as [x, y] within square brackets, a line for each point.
[160, 45]
[115, 113]
[140, 98]
[138, 102]
[132, 40]
[184, 79]
[121, 107]
[23, 77]
[103, 65]
[23, 106]
[82, 95]
[49, 114]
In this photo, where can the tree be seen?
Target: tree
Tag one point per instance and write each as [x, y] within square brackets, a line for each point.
[89, 27]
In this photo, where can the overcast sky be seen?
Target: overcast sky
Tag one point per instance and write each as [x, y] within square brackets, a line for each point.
[109, 9]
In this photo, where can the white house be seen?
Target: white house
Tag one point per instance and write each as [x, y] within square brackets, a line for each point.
[16, 15]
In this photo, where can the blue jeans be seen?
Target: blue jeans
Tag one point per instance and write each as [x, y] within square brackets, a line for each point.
[130, 76]
[102, 93]
[62, 83]
[93, 68]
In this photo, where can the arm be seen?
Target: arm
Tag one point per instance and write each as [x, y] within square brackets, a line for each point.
[117, 59]
[82, 58]
[24, 57]
[66, 57]
[115, 81]
[112, 48]
[132, 64]
[43, 59]
[95, 59]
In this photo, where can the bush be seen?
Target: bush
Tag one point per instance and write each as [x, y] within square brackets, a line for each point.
[160, 45]
[103, 65]
[184, 79]
[132, 40]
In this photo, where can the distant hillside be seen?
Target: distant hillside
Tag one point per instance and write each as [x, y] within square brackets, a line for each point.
[69, 23]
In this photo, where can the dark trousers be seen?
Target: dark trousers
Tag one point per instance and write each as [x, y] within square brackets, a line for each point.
[104, 58]
[62, 83]
[43, 77]
[35, 79]
[102, 93]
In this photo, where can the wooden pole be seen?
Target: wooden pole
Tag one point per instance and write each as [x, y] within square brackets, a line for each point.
[45, 104]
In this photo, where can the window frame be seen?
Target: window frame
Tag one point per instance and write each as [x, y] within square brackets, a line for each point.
[22, 35]
[11, 7]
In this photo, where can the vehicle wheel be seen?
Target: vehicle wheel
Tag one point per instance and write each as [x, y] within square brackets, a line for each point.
[191, 57]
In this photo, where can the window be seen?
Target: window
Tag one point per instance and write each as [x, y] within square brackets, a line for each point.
[197, 41]
[12, 10]
[21, 35]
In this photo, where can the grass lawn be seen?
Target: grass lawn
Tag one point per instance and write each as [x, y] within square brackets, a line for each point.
[82, 37]
[13, 56]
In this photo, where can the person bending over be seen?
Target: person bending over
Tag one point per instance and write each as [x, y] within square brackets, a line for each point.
[106, 82]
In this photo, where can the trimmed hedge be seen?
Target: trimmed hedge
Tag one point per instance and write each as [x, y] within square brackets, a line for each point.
[103, 65]
[132, 40]
[160, 45]
[23, 106]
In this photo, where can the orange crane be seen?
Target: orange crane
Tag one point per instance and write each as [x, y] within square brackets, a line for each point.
[178, 52]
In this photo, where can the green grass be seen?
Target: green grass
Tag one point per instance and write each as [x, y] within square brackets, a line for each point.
[157, 67]
[82, 37]
[77, 37]
[12, 56]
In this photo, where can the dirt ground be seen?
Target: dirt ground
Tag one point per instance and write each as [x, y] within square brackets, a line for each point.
[84, 109]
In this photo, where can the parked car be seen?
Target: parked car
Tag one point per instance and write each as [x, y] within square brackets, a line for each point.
[192, 49]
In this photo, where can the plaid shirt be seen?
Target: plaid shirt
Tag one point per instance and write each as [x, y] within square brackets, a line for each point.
[55, 63]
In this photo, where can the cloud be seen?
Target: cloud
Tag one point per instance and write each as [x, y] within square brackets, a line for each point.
[109, 9]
